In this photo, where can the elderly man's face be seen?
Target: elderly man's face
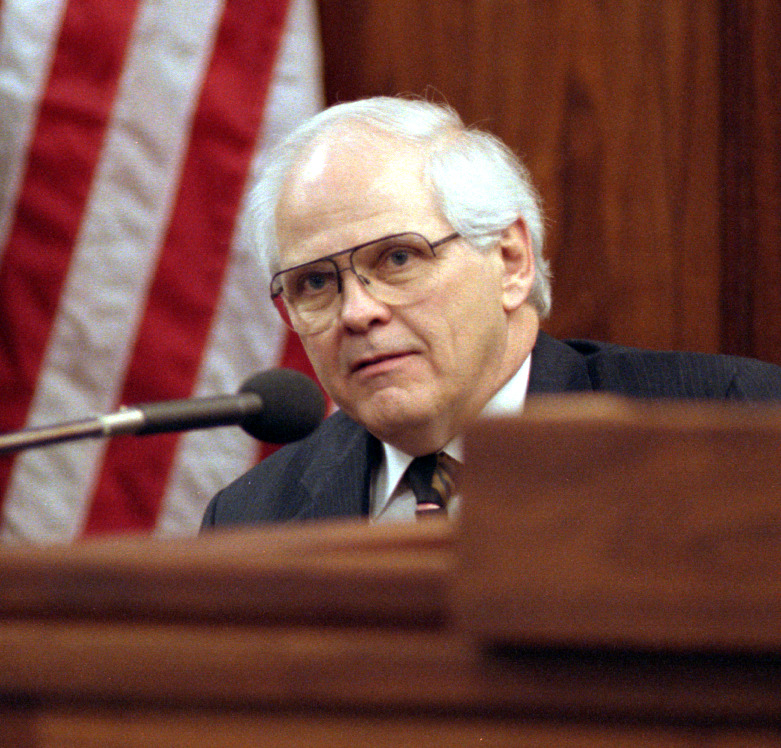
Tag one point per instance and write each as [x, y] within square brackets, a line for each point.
[414, 375]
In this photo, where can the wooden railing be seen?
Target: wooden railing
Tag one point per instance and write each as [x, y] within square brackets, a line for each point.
[612, 579]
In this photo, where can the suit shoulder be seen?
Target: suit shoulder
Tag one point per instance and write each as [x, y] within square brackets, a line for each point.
[677, 374]
[271, 491]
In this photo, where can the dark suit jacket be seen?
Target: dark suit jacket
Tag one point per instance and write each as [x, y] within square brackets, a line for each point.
[328, 473]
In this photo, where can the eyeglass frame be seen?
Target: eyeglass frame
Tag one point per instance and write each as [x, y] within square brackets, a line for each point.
[351, 251]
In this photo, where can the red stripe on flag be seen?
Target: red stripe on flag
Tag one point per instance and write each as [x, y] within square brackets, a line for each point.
[64, 151]
[185, 291]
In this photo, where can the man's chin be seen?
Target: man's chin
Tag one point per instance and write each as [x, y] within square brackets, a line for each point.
[396, 423]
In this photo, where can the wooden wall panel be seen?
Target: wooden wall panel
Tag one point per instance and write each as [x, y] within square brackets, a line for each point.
[751, 177]
[617, 108]
[766, 341]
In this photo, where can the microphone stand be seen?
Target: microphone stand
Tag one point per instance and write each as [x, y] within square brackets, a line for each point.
[149, 418]
[123, 422]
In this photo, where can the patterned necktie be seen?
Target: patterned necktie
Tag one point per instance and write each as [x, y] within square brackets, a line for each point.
[432, 479]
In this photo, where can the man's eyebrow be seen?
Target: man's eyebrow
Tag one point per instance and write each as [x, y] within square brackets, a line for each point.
[338, 252]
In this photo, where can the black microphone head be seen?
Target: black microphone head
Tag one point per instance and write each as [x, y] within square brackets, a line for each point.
[293, 406]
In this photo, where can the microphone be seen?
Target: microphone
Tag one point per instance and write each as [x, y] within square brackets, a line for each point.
[278, 406]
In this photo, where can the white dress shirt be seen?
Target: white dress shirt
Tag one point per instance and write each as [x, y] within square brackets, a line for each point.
[391, 497]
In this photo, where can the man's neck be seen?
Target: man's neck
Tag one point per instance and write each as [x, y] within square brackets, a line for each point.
[522, 330]
[508, 400]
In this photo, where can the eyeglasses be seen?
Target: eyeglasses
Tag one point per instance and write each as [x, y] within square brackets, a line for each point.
[397, 269]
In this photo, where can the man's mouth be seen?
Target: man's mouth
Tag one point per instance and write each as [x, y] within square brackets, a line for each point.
[365, 363]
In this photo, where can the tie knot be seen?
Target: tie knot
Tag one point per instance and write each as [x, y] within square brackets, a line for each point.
[433, 480]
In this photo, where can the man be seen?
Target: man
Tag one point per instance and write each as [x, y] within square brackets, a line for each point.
[406, 251]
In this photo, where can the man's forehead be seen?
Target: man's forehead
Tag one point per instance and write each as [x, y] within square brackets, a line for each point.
[355, 155]
[344, 193]
[324, 155]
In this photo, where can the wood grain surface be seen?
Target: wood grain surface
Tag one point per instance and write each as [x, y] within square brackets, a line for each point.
[612, 579]
[623, 525]
[652, 130]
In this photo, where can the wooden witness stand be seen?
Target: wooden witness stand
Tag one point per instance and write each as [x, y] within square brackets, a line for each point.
[613, 579]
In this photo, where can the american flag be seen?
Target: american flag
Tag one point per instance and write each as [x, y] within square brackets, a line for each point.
[129, 132]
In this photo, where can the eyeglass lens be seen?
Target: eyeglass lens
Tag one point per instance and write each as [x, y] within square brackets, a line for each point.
[394, 270]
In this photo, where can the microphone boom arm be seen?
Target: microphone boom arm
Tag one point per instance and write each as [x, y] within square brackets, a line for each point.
[149, 418]
[43, 435]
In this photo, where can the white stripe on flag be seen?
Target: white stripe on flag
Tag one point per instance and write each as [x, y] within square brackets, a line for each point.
[115, 255]
[247, 334]
[28, 35]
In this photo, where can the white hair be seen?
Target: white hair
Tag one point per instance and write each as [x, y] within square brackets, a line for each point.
[480, 186]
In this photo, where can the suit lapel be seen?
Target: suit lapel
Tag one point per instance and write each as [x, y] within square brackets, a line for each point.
[337, 482]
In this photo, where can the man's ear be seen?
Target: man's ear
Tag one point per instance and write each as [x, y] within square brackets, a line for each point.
[517, 265]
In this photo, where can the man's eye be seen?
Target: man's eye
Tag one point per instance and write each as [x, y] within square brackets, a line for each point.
[313, 282]
[399, 257]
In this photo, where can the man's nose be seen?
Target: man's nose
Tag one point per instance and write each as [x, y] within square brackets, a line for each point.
[359, 308]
